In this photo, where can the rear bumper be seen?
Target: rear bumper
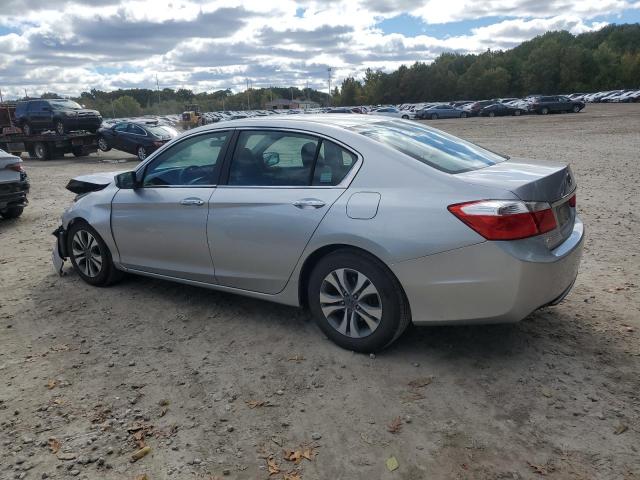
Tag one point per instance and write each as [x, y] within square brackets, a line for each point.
[14, 194]
[488, 283]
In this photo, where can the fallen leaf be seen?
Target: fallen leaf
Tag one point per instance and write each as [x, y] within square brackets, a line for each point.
[395, 426]
[163, 412]
[309, 454]
[51, 384]
[54, 445]
[547, 393]
[621, 429]
[273, 467]
[137, 455]
[292, 475]
[293, 455]
[255, 403]
[392, 463]
[420, 382]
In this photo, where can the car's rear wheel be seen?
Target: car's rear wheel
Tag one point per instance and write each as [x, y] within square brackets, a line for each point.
[60, 128]
[11, 212]
[103, 145]
[356, 301]
[434, 116]
[544, 111]
[90, 256]
[492, 114]
[405, 117]
[141, 152]
[517, 113]
[463, 115]
[576, 108]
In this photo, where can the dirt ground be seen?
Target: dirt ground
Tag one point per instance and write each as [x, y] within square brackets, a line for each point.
[219, 386]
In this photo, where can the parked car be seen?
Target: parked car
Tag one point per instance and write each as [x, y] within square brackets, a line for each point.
[14, 186]
[340, 110]
[59, 115]
[390, 112]
[555, 104]
[441, 111]
[371, 222]
[473, 109]
[501, 110]
[138, 138]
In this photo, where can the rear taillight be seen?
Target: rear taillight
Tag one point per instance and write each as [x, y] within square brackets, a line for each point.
[506, 219]
[16, 167]
[572, 201]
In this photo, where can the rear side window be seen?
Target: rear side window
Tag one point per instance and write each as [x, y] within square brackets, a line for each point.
[430, 146]
[333, 164]
[273, 158]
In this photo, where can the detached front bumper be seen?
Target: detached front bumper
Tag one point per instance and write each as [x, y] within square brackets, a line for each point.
[489, 282]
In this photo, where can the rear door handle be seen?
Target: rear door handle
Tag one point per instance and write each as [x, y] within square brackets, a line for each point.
[192, 201]
[309, 203]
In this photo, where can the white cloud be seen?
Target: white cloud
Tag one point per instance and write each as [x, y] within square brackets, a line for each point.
[205, 44]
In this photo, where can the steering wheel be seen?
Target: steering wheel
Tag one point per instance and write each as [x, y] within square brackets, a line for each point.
[191, 175]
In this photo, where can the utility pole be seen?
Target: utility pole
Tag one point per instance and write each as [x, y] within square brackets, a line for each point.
[158, 89]
[291, 89]
[329, 75]
[26, 95]
[247, 92]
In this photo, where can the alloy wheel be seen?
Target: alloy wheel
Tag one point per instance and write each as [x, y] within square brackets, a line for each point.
[102, 144]
[142, 153]
[351, 303]
[86, 253]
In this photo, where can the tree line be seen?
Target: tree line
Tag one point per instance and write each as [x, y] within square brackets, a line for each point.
[553, 63]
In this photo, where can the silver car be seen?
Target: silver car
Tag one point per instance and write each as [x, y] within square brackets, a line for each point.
[370, 222]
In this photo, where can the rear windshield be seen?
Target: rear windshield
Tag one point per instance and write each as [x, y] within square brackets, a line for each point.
[162, 130]
[430, 146]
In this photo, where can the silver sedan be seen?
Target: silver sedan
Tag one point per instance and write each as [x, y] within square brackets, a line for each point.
[370, 222]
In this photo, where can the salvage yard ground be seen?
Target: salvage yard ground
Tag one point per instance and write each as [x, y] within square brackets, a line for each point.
[223, 386]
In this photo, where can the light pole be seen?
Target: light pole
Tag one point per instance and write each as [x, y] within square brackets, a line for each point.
[329, 75]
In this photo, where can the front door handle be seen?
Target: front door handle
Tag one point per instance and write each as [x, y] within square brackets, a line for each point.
[192, 201]
[309, 203]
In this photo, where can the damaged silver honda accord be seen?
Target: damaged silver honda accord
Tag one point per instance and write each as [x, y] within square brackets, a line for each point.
[372, 223]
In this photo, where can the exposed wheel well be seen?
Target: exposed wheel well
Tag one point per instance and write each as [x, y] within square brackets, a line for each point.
[315, 257]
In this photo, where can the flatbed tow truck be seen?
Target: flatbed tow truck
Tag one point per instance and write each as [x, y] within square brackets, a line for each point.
[43, 146]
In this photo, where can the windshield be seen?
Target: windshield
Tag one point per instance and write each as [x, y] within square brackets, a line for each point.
[162, 131]
[65, 104]
[430, 146]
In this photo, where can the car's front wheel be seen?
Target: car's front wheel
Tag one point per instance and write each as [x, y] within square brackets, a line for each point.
[463, 115]
[356, 301]
[90, 256]
[517, 113]
[434, 116]
[492, 114]
[576, 108]
[544, 111]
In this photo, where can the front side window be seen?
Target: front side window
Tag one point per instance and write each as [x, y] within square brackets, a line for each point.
[273, 158]
[121, 127]
[136, 129]
[64, 105]
[430, 146]
[194, 161]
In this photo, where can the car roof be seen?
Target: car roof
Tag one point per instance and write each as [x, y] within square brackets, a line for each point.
[340, 120]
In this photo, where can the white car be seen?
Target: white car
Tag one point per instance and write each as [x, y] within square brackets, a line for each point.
[391, 112]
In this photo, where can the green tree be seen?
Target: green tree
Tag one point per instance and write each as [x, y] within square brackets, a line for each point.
[126, 106]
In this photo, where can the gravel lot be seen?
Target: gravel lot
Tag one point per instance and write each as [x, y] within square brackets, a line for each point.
[219, 386]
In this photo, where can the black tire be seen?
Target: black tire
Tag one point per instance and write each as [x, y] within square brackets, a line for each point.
[78, 151]
[395, 315]
[517, 113]
[103, 145]
[26, 129]
[405, 117]
[492, 114]
[11, 212]
[576, 108]
[434, 116]
[463, 115]
[141, 153]
[544, 111]
[59, 127]
[41, 151]
[107, 274]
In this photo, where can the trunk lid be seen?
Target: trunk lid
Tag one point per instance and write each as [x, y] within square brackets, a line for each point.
[534, 181]
[92, 182]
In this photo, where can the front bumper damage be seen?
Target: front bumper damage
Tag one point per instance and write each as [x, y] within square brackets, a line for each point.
[59, 253]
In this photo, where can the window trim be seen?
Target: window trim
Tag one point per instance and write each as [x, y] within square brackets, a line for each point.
[141, 171]
[343, 185]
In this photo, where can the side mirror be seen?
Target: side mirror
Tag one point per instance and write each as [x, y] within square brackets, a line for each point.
[127, 181]
[271, 159]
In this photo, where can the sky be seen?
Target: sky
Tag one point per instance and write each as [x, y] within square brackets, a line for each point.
[70, 46]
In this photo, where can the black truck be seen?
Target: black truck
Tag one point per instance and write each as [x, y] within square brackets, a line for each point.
[48, 143]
